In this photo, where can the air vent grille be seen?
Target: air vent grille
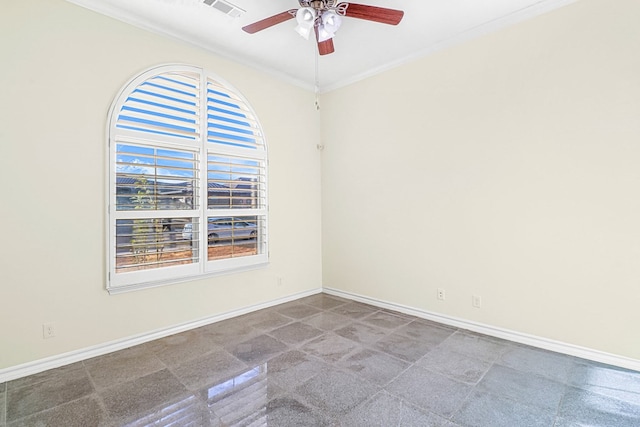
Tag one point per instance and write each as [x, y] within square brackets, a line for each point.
[225, 7]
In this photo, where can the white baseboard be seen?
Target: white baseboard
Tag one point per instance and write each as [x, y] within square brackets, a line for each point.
[518, 337]
[26, 369]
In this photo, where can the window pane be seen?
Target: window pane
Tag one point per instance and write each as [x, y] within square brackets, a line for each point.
[148, 243]
[154, 178]
[232, 237]
[235, 182]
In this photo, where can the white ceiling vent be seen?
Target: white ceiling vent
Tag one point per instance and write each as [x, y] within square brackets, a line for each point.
[225, 7]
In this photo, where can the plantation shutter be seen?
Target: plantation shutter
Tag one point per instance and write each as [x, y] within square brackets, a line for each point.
[236, 176]
[165, 105]
[187, 180]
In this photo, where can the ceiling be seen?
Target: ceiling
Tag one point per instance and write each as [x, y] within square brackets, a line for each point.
[362, 48]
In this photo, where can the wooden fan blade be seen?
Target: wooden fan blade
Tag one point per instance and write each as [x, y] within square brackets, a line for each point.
[270, 21]
[325, 47]
[372, 13]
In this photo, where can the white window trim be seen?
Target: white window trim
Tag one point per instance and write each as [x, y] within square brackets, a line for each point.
[151, 278]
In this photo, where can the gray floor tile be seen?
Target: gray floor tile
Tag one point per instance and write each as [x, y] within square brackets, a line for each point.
[527, 388]
[581, 407]
[178, 348]
[355, 310]
[425, 331]
[186, 410]
[386, 320]
[562, 422]
[403, 347]
[138, 398]
[335, 392]
[361, 333]
[230, 331]
[385, 410]
[52, 375]
[287, 411]
[296, 310]
[250, 384]
[474, 345]
[454, 365]
[330, 347]
[374, 366]
[296, 333]
[536, 361]
[46, 390]
[328, 321]
[607, 380]
[84, 412]
[324, 301]
[265, 320]
[122, 366]
[398, 313]
[3, 405]
[258, 349]
[293, 368]
[430, 391]
[241, 400]
[208, 369]
[483, 410]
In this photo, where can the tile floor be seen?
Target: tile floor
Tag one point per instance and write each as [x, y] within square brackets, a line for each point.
[326, 361]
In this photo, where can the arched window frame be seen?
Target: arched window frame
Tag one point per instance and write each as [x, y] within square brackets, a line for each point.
[184, 147]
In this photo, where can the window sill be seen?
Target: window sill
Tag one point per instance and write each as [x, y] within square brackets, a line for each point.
[116, 290]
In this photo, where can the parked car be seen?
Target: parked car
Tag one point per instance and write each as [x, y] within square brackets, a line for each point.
[224, 229]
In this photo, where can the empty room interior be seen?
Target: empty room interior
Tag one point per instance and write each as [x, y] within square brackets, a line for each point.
[452, 239]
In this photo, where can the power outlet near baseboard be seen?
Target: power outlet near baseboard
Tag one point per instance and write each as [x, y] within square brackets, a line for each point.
[48, 330]
[476, 301]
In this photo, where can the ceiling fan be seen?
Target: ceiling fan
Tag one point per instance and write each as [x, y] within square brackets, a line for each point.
[324, 17]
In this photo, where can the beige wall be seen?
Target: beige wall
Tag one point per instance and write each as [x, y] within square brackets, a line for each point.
[61, 67]
[507, 167]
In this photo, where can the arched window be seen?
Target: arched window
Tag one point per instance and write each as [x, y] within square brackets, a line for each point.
[187, 180]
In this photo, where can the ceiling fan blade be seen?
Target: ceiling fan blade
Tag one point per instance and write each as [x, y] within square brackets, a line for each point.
[265, 23]
[372, 13]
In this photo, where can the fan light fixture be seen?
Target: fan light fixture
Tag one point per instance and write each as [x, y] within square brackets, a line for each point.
[331, 21]
[306, 17]
[328, 22]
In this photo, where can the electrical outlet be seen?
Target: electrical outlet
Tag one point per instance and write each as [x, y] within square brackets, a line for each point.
[48, 331]
[476, 301]
[441, 294]
[280, 281]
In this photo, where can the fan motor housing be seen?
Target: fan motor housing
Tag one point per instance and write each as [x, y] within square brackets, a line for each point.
[318, 4]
